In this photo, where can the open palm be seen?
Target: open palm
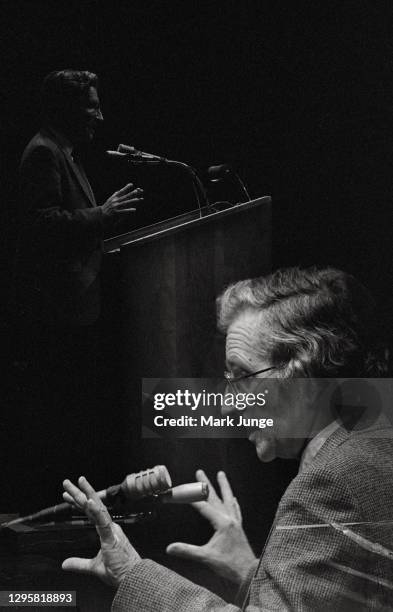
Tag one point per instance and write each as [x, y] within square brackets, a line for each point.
[228, 551]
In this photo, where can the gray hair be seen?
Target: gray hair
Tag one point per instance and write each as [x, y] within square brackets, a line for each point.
[321, 321]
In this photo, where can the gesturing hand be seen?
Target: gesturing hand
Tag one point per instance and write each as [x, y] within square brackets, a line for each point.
[116, 556]
[123, 201]
[228, 552]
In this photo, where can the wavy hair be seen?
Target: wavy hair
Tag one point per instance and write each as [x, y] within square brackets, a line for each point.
[61, 90]
[321, 322]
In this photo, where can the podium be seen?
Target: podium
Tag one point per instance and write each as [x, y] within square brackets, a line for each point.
[169, 277]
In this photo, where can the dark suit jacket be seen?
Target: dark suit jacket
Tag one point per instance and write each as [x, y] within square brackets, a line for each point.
[60, 251]
[314, 569]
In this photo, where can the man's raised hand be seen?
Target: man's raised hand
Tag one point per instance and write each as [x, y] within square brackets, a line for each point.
[123, 201]
[116, 556]
[228, 552]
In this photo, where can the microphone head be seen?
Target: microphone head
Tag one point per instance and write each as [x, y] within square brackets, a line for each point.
[147, 482]
[217, 173]
[116, 154]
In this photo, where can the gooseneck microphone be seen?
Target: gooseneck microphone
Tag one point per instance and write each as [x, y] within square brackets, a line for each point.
[222, 172]
[154, 483]
[136, 157]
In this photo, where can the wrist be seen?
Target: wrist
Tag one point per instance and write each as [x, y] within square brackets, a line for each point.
[248, 569]
[126, 570]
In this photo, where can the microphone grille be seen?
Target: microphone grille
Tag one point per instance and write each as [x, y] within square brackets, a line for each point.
[147, 482]
[216, 173]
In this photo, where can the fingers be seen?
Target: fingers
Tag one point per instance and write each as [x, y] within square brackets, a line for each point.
[237, 511]
[77, 496]
[225, 488]
[123, 200]
[88, 490]
[135, 193]
[230, 502]
[97, 512]
[214, 515]
[102, 520]
[207, 511]
[67, 497]
[127, 188]
[76, 564]
[86, 497]
[213, 497]
[125, 210]
[186, 551]
[126, 202]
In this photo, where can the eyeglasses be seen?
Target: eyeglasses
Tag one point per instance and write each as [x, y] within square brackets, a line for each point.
[235, 380]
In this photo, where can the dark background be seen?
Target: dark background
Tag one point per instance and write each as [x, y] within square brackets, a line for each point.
[296, 96]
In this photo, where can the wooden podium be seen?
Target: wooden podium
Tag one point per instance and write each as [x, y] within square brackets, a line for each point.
[170, 279]
[170, 276]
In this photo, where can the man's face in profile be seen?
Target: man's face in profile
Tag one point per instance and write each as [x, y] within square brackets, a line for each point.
[244, 356]
[87, 117]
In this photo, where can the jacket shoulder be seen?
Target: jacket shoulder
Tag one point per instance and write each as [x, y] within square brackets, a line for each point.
[362, 452]
[40, 144]
[357, 473]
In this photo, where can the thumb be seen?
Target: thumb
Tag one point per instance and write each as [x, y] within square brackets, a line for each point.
[76, 564]
[186, 551]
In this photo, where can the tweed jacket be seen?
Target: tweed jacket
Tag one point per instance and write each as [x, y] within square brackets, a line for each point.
[303, 569]
[61, 229]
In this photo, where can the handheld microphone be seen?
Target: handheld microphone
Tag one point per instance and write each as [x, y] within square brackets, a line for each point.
[185, 494]
[148, 482]
[154, 482]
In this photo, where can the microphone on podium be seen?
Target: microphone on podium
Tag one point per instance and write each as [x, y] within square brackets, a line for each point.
[133, 156]
[222, 172]
[154, 482]
[137, 157]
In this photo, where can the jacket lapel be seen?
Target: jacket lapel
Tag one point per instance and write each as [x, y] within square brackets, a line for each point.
[75, 168]
[80, 175]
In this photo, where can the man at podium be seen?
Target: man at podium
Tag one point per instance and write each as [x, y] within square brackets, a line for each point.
[62, 225]
[294, 324]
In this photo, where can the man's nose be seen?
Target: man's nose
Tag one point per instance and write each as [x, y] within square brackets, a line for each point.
[99, 115]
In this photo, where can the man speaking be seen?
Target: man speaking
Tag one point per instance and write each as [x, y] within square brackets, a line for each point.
[62, 226]
[329, 546]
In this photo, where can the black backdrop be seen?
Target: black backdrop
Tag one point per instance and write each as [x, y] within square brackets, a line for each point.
[297, 96]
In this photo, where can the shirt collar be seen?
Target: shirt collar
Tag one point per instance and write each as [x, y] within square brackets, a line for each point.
[315, 445]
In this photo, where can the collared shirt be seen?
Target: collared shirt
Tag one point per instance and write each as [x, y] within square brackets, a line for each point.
[315, 445]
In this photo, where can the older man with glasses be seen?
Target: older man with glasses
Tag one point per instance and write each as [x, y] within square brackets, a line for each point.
[328, 548]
